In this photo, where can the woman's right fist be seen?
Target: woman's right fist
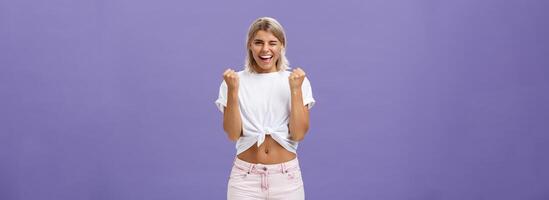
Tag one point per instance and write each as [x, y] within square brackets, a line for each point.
[231, 78]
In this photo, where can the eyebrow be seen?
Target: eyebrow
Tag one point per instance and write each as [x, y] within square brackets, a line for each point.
[258, 40]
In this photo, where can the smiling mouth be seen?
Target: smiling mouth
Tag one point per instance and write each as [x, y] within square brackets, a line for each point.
[266, 58]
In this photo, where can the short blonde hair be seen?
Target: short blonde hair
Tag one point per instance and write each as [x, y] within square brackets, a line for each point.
[270, 25]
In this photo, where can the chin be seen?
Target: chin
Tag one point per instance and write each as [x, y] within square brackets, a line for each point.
[266, 68]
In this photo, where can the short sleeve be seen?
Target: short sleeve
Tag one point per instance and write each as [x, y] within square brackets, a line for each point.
[307, 92]
[221, 101]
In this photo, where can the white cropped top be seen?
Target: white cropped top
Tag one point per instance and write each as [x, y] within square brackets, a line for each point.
[264, 100]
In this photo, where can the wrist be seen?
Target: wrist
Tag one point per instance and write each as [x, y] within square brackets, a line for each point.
[292, 88]
[232, 92]
[295, 91]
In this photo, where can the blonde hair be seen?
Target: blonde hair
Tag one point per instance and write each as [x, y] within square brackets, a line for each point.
[270, 25]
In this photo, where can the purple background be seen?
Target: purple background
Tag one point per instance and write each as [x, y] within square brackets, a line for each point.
[416, 100]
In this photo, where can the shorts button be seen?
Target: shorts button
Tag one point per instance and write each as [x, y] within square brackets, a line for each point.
[264, 168]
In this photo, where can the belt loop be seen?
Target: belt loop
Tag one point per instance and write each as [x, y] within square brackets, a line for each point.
[250, 168]
[283, 166]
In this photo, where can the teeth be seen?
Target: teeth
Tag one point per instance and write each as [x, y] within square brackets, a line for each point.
[266, 56]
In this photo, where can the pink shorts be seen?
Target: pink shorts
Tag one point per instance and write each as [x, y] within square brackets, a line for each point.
[259, 181]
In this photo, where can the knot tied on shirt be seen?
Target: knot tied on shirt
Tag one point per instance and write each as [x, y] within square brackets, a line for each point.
[266, 131]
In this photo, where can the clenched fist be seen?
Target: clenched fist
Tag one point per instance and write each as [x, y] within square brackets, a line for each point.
[231, 78]
[296, 78]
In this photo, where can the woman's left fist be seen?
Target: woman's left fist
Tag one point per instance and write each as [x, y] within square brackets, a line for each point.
[296, 78]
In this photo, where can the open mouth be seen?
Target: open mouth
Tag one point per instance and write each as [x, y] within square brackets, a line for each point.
[266, 58]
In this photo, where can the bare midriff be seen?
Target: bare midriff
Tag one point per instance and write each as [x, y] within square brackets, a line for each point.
[269, 152]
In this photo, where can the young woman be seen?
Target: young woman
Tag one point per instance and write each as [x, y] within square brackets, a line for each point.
[266, 111]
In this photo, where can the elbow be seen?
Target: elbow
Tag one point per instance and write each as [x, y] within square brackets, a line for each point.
[298, 136]
[233, 139]
[233, 135]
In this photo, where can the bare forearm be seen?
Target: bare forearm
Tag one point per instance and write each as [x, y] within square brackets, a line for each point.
[232, 123]
[299, 116]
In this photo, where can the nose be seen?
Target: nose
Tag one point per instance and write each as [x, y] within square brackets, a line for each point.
[265, 48]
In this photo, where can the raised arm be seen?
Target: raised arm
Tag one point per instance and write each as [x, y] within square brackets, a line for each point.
[232, 123]
[299, 114]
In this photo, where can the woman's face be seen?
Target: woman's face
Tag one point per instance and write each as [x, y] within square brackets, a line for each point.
[266, 50]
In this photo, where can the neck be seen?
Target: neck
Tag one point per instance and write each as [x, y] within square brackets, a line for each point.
[261, 70]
